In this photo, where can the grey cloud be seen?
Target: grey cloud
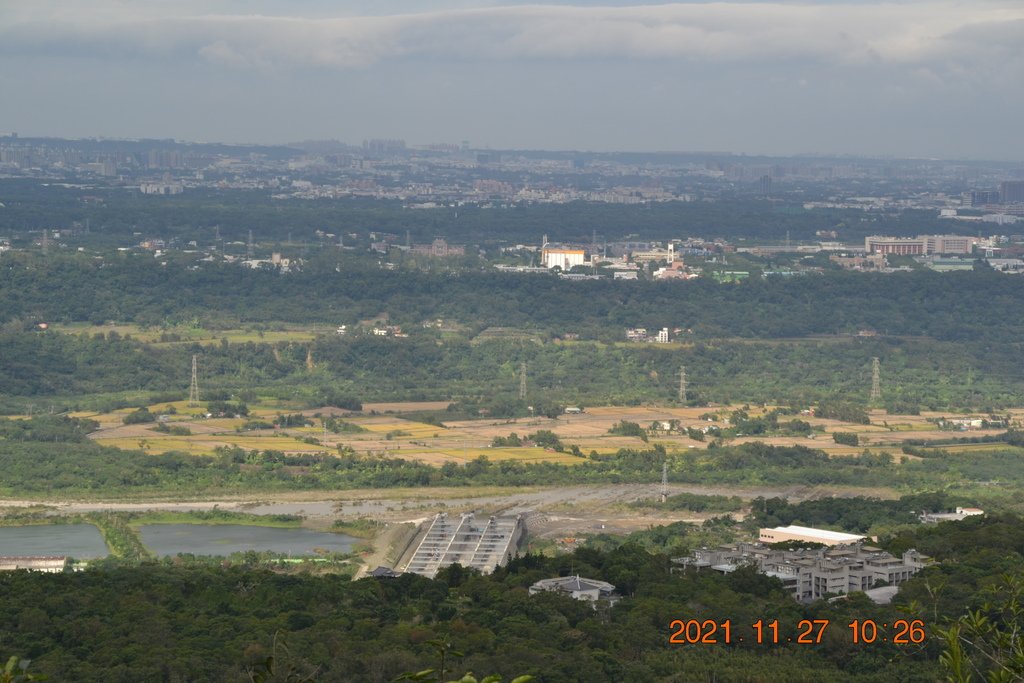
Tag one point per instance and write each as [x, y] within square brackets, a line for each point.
[854, 33]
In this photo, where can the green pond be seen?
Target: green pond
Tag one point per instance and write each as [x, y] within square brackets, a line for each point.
[80, 541]
[224, 539]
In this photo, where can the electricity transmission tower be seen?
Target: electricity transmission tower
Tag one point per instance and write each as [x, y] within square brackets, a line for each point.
[248, 247]
[193, 390]
[876, 380]
[664, 481]
[522, 380]
[682, 384]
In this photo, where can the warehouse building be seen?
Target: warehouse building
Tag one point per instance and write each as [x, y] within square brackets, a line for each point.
[565, 259]
[806, 534]
[35, 563]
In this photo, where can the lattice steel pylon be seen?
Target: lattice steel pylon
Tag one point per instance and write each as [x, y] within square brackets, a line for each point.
[522, 380]
[193, 390]
[664, 481]
[876, 379]
[682, 384]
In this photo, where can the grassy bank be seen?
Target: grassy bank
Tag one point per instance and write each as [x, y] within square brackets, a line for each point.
[212, 517]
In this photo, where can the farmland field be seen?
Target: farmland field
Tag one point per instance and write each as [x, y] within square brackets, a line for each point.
[464, 440]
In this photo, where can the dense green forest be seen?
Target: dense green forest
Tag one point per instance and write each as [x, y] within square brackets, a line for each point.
[176, 622]
[95, 371]
[977, 306]
[960, 352]
[208, 624]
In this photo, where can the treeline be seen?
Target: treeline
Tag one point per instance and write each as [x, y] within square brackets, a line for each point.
[132, 288]
[48, 428]
[30, 205]
[836, 410]
[67, 371]
[979, 569]
[856, 514]
[42, 469]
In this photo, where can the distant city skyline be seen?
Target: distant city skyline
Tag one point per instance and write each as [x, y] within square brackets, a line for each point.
[903, 78]
[13, 137]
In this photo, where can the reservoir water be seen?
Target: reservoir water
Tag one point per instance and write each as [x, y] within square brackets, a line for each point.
[224, 539]
[80, 541]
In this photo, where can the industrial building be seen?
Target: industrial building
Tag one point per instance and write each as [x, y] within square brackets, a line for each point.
[807, 535]
[37, 563]
[960, 514]
[813, 574]
[563, 258]
[921, 245]
[439, 248]
[481, 546]
[656, 254]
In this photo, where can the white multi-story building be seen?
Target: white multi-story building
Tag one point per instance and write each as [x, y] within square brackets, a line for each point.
[814, 574]
[921, 245]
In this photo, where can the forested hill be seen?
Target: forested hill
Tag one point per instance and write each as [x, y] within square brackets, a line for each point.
[180, 621]
[980, 305]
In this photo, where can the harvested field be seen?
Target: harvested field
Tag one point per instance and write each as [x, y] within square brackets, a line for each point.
[464, 440]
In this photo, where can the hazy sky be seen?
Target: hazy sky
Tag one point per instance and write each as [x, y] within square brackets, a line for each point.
[906, 78]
